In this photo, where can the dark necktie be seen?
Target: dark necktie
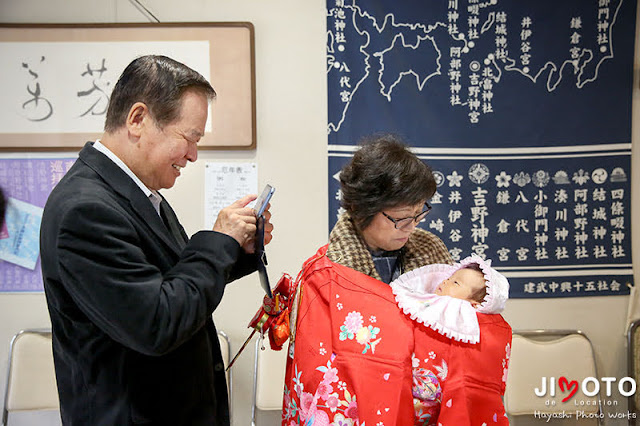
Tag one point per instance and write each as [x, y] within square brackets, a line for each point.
[170, 220]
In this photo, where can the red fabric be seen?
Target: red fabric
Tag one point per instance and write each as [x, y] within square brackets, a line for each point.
[358, 359]
[476, 374]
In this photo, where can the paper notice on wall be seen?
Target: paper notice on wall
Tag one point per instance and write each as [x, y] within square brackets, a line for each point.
[21, 245]
[225, 183]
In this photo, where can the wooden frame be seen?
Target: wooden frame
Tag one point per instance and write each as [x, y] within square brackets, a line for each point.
[68, 57]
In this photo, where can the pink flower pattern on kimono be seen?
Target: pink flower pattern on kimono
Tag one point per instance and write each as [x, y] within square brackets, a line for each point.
[505, 362]
[353, 322]
[310, 410]
[333, 402]
[324, 390]
[353, 328]
[352, 409]
[308, 405]
[330, 375]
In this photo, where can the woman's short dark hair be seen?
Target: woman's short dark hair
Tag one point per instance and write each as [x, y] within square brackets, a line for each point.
[383, 174]
[157, 81]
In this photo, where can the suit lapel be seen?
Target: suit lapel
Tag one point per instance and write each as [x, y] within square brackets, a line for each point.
[144, 209]
[127, 188]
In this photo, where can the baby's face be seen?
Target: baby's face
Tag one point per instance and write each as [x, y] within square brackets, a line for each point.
[463, 284]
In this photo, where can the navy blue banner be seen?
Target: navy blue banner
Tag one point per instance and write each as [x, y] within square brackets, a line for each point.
[522, 109]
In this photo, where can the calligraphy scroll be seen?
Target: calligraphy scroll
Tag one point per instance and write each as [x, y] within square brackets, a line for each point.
[56, 80]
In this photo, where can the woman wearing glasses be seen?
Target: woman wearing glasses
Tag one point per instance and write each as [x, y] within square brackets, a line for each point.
[350, 354]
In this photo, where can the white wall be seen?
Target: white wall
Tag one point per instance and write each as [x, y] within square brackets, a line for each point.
[291, 155]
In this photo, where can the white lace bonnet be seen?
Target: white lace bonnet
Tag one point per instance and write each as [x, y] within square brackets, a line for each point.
[497, 285]
[451, 317]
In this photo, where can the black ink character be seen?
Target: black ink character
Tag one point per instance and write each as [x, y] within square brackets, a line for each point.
[99, 107]
[37, 108]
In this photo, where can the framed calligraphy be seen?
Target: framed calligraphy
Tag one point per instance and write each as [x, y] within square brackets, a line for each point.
[56, 79]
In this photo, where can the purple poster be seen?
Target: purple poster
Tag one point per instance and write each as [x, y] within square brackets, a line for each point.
[27, 183]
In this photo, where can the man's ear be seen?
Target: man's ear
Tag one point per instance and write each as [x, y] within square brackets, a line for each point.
[138, 113]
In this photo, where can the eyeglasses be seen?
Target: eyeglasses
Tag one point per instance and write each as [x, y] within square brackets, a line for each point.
[407, 222]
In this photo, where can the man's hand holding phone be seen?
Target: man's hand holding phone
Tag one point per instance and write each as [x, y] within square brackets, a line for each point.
[239, 221]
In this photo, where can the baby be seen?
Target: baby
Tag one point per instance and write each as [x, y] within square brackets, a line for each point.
[457, 380]
[467, 284]
[447, 297]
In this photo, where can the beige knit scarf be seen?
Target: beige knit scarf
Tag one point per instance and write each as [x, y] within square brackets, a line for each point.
[347, 248]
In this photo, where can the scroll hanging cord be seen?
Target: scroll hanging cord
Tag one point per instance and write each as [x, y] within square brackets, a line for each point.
[138, 3]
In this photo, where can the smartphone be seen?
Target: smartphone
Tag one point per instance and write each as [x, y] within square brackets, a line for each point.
[263, 200]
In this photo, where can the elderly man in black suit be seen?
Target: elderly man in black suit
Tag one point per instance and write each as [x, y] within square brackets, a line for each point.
[129, 295]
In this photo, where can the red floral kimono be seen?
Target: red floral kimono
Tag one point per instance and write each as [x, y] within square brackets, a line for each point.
[356, 359]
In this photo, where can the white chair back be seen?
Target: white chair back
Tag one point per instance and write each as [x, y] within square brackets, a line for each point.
[31, 380]
[545, 368]
[268, 378]
[225, 348]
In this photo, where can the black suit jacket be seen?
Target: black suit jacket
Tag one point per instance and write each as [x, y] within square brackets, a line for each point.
[133, 338]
